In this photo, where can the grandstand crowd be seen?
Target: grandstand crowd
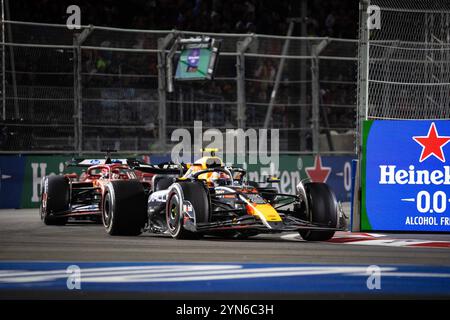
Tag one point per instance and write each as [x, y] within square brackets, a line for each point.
[335, 18]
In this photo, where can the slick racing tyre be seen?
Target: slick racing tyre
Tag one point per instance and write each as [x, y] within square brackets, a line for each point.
[55, 197]
[124, 208]
[323, 207]
[194, 192]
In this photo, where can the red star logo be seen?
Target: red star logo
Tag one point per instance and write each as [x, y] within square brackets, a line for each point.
[318, 173]
[432, 144]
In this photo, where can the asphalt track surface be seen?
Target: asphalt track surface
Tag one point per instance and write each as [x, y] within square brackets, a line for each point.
[23, 237]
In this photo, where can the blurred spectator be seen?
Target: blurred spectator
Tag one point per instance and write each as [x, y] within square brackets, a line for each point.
[266, 74]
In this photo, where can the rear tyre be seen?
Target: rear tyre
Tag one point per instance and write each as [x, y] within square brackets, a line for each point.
[310, 235]
[323, 207]
[124, 209]
[55, 198]
[194, 192]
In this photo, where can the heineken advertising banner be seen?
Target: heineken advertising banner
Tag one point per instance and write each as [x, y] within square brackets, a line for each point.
[406, 176]
[21, 175]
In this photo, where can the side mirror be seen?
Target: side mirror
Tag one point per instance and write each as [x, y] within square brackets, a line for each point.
[272, 180]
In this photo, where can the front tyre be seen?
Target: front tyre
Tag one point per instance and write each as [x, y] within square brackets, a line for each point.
[174, 216]
[323, 209]
[55, 198]
[124, 208]
[194, 192]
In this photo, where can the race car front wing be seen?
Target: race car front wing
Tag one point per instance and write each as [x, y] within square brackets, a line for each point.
[249, 222]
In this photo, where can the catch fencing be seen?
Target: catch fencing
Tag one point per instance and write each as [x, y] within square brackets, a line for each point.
[404, 60]
[100, 88]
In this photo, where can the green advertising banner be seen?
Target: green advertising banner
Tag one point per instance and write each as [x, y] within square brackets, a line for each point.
[37, 167]
[333, 170]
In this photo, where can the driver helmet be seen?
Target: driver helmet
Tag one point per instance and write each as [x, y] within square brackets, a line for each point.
[220, 179]
[105, 173]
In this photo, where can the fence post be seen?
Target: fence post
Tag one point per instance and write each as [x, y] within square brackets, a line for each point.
[241, 47]
[304, 45]
[12, 62]
[75, 93]
[315, 94]
[162, 81]
[363, 72]
[361, 107]
[78, 40]
[279, 73]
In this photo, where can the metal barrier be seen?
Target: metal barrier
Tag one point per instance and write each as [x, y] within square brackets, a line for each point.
[100, 87]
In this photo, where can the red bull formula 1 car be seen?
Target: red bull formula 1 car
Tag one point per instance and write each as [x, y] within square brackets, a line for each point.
[209, 198]
[72, 196]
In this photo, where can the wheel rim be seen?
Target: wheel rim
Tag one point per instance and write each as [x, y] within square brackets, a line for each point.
[173, 214]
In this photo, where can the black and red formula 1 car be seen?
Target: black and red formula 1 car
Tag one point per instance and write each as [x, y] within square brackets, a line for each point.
[81, 197]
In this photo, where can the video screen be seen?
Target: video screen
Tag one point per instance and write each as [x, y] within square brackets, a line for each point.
[193, 64]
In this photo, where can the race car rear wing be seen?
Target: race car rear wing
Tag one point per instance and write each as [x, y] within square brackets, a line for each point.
[94, 162]
[163, 168]
[107, 160]
[135, 164]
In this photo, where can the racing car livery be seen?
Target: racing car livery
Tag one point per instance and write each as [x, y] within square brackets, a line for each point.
[70, 195]
[208, 198]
